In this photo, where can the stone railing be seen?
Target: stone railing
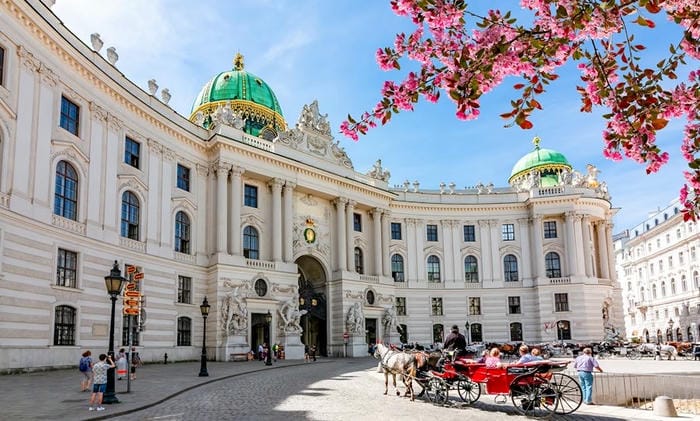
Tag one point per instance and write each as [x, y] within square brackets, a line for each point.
[132, 244]
[257, 143]
[184, 257]
[559, 281]
[550, 191]
[403, 284]
[472, 285]
[370, 279]
[68, 224]
[260, 264]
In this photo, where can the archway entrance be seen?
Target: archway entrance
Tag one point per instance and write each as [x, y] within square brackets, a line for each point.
[312, 298]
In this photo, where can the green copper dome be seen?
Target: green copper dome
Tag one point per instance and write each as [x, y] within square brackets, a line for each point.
[548, 163]
[246, 94]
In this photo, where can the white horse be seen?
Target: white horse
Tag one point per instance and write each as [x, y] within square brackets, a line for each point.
[396, 362]
[660, 350]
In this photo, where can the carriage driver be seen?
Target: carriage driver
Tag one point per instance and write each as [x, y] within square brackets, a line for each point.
[455, 341]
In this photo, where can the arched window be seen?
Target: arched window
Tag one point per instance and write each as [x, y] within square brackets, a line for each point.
[510, 268]
[251, 243]
[433, 268]
[663, 288]
[669, 334]
[471, 270]
[516, 332]
[696, 279]
[182, 233]
[659, 336]
[64, 325]
[552, 265]
[684, 284]
[65, 202]
[476, 331]
[261, 287]
[130, 216]
[437, 333]
[641, 294]
[673, 286]
[359, 261]
[184, 331]
[689, 332]
[654, 293]
[403, 334]
[563, 330]
[397, 268]
[679, 334]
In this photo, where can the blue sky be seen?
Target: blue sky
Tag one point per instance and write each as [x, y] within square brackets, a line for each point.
[324, 50]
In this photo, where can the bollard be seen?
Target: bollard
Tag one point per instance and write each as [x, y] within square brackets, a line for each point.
[663, 407]
[165, 358]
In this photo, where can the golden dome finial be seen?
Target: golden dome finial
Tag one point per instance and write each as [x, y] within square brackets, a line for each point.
[238, 62]
[536, 141]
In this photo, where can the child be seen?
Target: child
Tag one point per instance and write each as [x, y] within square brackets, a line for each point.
[99, 382]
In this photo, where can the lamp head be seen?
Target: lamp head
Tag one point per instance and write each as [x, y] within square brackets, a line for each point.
[268, 317]
[114, 281]
[204, 307]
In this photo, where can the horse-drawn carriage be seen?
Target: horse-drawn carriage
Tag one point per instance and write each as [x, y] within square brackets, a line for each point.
[536, 389]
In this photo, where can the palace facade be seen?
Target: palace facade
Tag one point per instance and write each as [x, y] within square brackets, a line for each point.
[659, 273]
[267, 219]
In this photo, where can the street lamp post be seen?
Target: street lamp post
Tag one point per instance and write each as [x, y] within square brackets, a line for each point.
[467, 333]
[669, 334]
[204, 308]
[268, 319]
[113, 282]
[561, 327]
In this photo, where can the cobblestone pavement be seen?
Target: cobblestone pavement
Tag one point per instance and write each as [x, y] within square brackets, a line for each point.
[335, 390]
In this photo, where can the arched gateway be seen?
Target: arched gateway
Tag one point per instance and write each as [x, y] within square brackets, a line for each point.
[312, 298]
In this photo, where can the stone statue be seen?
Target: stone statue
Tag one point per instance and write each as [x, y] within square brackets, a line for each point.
[355, 319]
[290, 315]
[379, 173]
[96, 42]
[389, 321]
[311, 118]
[234, 313]
[592, 176]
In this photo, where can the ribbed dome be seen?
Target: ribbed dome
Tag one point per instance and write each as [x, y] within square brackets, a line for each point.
[545, 161]
[247, 95]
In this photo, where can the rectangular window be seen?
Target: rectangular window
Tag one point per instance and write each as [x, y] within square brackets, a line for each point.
[70, 116]
[2, 66]
[184, 331]
[550, 229]
[250, 196]
[67, 269]
[513, 305]
[680, 258]
[184, 289]
[357, 222]
[508, 232]
[132, 152]
[670, 262]
[400, 306]
[431, 232]
[561, 302]
[474, 306]
[64, 325]
[469, 234]
[183, 177]
[436, 306]
[395, 230]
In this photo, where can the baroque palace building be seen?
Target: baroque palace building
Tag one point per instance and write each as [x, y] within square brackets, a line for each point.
[658, 267]
[270, 222]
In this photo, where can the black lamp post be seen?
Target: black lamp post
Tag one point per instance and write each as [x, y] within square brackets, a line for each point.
[114, 282]
[204, 308]
[561, 327]
[268, 319]
[468, 333]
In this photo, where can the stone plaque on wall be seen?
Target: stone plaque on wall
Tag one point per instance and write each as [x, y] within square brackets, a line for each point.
[99, 329]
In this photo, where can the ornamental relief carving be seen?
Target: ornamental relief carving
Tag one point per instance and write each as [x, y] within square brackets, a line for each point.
[27, 59]
[243, 285]
[129, 182]
[70, 155]
[48, 76]
[253, 220]
[202, 170]
[284, 289]
[97, 112]
[184, 203]
[353, 295]
[316, 242]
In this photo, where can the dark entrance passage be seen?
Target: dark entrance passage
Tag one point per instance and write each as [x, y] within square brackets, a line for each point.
[259, 332]
[312, 298]
[371, 331]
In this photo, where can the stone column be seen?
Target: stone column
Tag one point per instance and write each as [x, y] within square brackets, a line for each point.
[495, 254]
[201, 197]
[349, 237]
[610, 250]
[420, 253]
[341, 243]
[236, 195]
[412, 261]
[276, 186]
[525, 268]
[579, 245]
[586, 231]
[377, 237]
[446, 241]
[457, 236]
[602, 250]
[570, 243]
[288, 221]
[222, 170]
[386, 240]
[485, 240]
[538, 251]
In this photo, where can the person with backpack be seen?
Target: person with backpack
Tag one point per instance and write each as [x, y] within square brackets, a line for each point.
[135, 362]
[85, 367]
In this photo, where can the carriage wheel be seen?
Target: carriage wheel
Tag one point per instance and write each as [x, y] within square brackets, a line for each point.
[603, 354]
[634, 354]
[437, 391]
[546, 354]
[686, 355]
[468, 390]
[568, 391]
[533, 397]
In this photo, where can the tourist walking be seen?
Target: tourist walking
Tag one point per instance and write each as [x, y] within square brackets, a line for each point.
[585, 364]
[99, 382]
[312, 352]
[135, 362]
[85, 367]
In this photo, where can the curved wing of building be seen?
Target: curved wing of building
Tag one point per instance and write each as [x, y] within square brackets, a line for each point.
[271, 222]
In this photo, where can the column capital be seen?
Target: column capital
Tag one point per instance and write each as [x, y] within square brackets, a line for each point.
[289, 185]
[386, 212]
[351, 203]
[221, 168]
[377, 212]
[570, 214]
[340, 201]
[237, 170]
[276, 183]
[202, 170]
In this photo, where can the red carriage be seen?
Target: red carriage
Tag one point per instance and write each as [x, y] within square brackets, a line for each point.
[537, 389]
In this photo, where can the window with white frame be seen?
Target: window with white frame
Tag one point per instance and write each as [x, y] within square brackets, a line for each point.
[400, 306]
[184, 331]
[64, 325]
[70, 116]
[474, 306]
[508, 232]
[561, 302]
[184, 289]
[67, 268]
[550, 229]
[436, 306]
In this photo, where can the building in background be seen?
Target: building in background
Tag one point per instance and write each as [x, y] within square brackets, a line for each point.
[269, 220]
[658, 270]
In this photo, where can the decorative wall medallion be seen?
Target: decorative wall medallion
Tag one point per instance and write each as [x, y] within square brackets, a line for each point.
[309, 233]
